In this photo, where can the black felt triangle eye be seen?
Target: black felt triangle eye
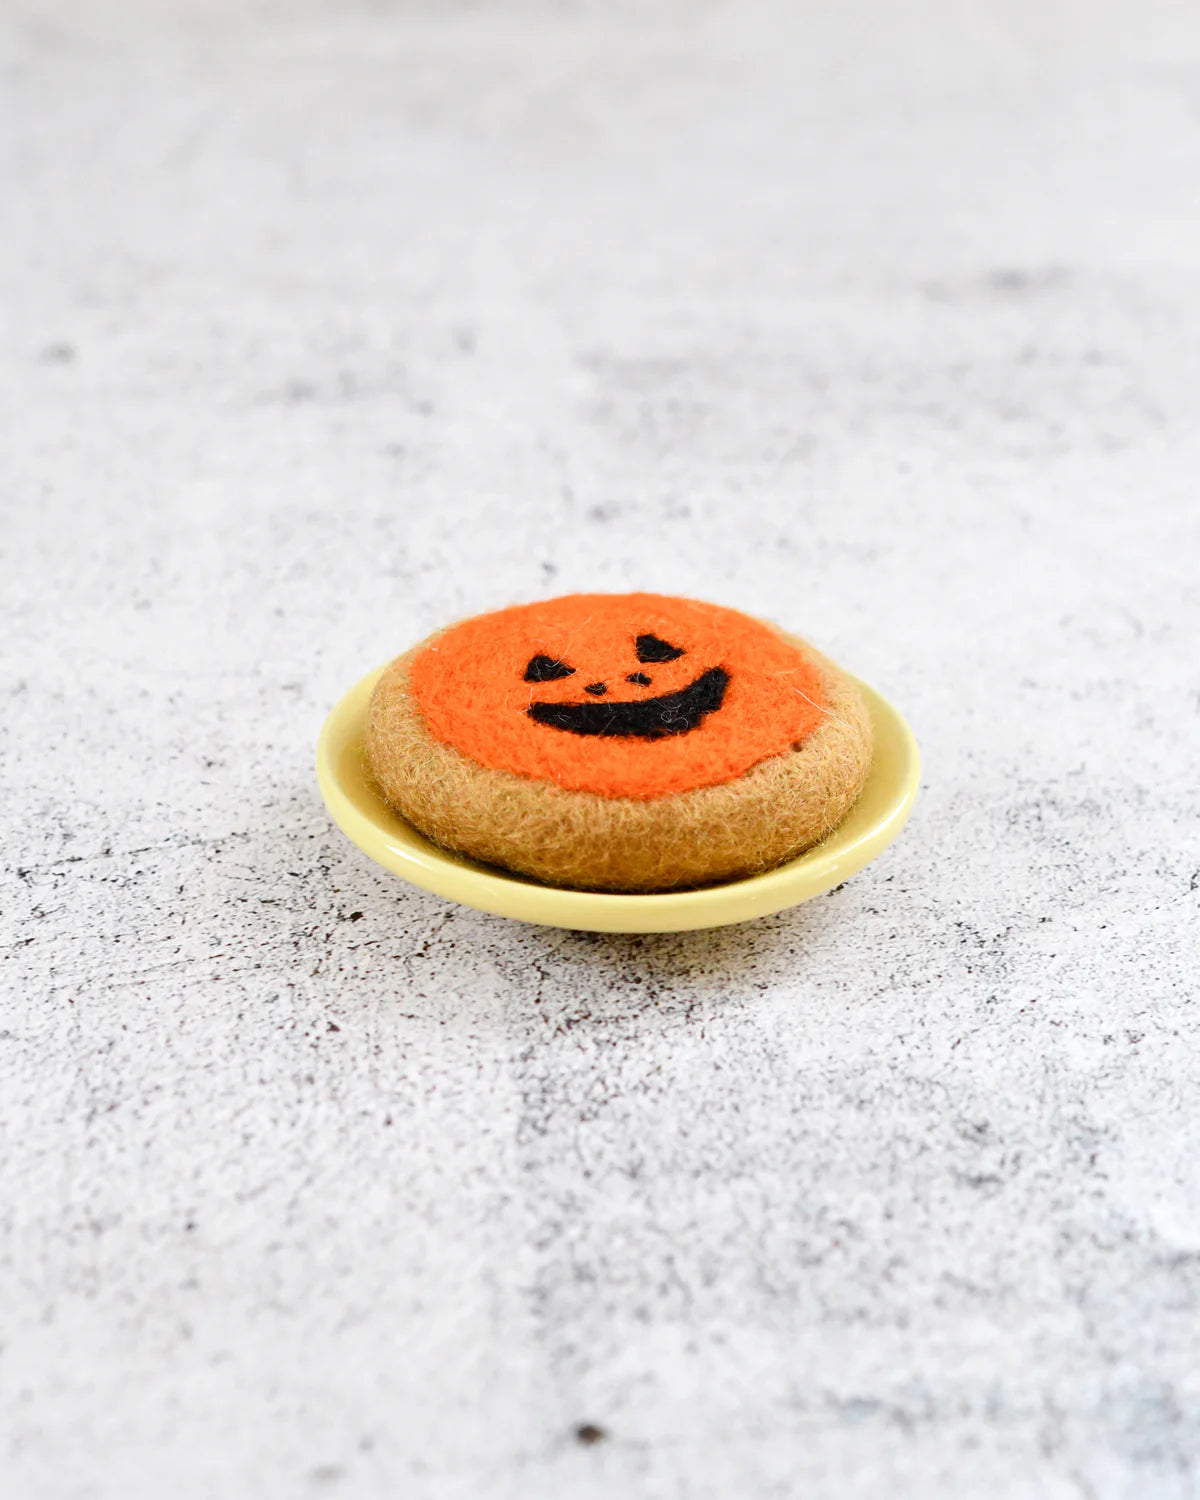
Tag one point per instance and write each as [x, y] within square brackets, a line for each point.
[546, 669]
[651, 648]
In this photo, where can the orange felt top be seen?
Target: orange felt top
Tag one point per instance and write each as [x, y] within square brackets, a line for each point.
[477, 683]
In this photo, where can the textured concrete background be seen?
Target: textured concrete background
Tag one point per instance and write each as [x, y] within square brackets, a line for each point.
[326, 323]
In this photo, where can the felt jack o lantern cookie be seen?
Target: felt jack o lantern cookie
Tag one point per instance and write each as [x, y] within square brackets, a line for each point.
[620, 742]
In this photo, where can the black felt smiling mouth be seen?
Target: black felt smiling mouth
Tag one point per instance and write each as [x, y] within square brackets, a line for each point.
[645, 718]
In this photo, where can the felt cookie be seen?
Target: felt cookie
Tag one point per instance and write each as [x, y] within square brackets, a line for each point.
[620, 742]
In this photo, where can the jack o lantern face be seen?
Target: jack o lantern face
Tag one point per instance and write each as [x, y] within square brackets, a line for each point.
[674, 712]
[623, 695]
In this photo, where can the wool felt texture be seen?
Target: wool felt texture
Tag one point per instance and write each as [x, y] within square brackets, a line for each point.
[781, 806]
[639, 718]
[622, 695]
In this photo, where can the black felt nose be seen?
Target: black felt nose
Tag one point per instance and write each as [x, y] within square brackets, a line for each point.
[597, 689]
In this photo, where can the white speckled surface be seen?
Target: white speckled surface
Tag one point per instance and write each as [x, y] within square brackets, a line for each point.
[328, 323]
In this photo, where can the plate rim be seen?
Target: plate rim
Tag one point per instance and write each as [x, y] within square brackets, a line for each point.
[521, 898]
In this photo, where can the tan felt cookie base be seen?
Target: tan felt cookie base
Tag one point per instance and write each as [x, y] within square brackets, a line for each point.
[778, 809]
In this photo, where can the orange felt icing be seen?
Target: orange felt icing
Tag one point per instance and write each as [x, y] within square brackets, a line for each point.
[470, 684]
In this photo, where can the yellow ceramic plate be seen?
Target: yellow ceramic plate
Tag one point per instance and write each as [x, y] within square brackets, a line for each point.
[874, 821]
